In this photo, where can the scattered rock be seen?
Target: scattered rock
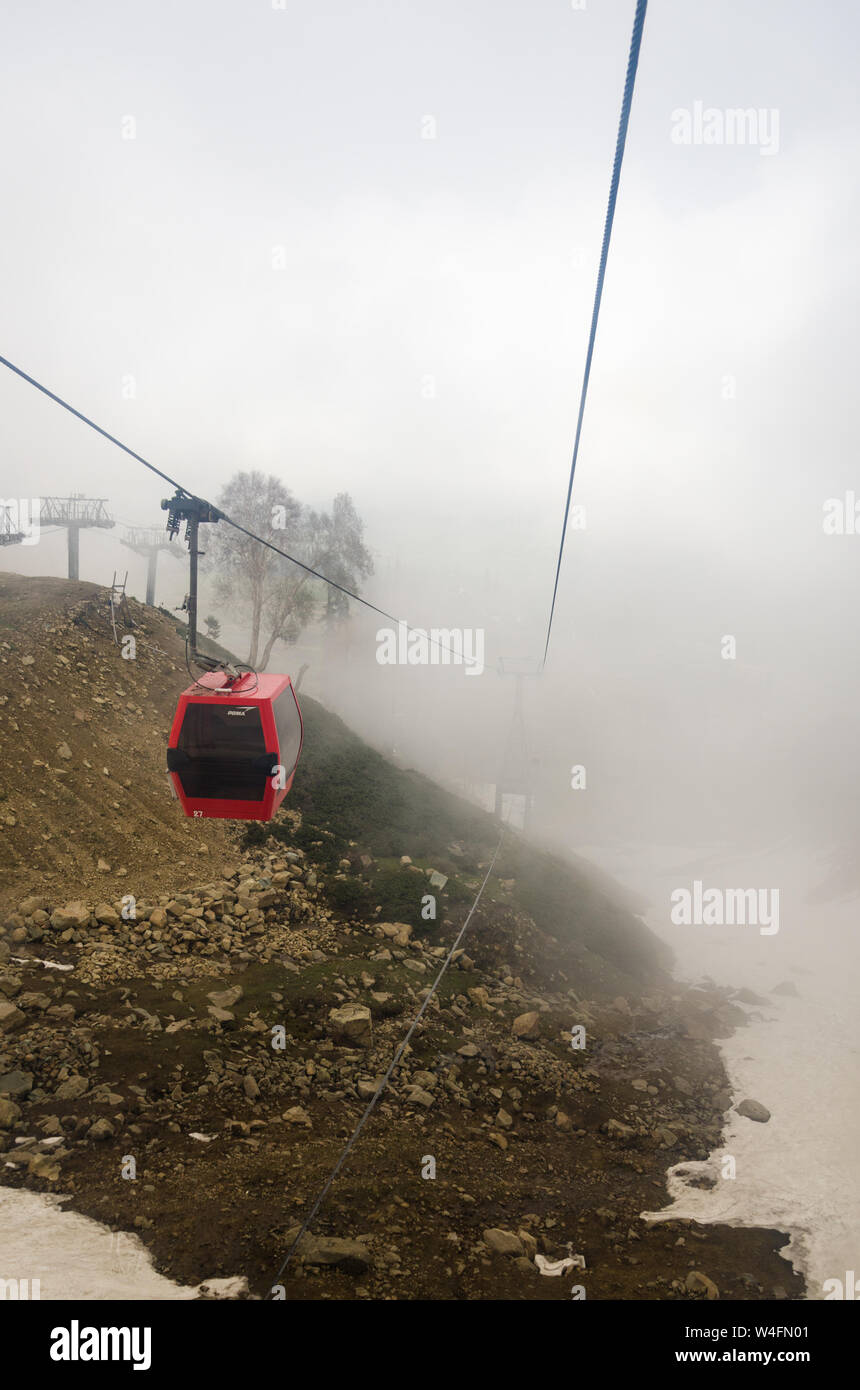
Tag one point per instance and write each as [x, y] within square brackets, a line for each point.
[100, 1130]
[349, 1255]
[226, 998]
[10, 1113]
[72, 1089]
[16, 1083]
[297, 1116]
[527, 1025]
[351, 1023]
[502, 1242]
[697, 1282]
[616, 1129]
[11, 1019]
[221, 1015]
[74, 914]
[417, 1096]
[754, 1110]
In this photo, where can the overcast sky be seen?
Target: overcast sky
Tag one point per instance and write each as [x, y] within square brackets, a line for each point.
[283, 272]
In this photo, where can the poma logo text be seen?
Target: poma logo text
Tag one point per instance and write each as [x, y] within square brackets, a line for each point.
[437, 646]
[717, 907]
[19, 520]
[710, 125]
[20, 1289]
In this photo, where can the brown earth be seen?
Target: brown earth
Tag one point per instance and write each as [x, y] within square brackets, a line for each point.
[68, 687]
[550, 1144]
[555, 1146]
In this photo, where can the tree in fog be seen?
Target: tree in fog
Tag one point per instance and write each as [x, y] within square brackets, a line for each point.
[279, 598]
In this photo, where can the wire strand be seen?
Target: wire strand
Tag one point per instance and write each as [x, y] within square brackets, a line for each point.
[371, 1106]
[626, 101]
[467, 660]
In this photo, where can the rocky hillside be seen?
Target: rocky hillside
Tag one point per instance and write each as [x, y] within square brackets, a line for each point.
[218, 1004]
[84, 797]
[86, 808]
[228, 1038]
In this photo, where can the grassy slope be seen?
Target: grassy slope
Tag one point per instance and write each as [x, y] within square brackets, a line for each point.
[354, 801]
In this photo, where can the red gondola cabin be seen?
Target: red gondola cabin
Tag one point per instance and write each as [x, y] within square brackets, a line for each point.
[234, 746]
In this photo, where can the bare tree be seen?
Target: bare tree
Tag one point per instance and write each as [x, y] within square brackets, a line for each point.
[246, 570]
[281, 598]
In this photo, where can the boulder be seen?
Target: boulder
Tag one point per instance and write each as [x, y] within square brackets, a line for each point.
[43, 1166]
[417, 1096]
[297, 1116]
[748, 996]
[351, 1023]
[16, 1083]
[665, 1136]
[221, 1015]
[754, 1110]
[529, 1244]
[72, 1089]
[33, 904]
[11, 1019]
[9, 1113]
[74, 914]
[33, 1000]
[352, 1256]
[616, 1129]
[502, 1242]
[527, 1025]
[226, 998]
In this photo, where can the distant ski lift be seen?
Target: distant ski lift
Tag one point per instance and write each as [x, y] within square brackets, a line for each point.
[234, 745]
